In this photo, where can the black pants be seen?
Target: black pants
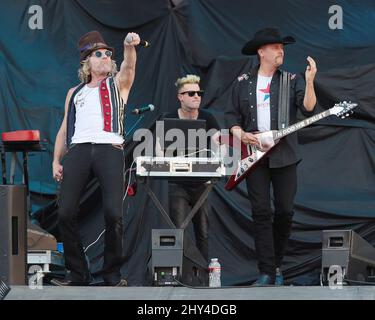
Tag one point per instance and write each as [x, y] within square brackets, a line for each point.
[181, 200]
[271, 233]
[107, 163]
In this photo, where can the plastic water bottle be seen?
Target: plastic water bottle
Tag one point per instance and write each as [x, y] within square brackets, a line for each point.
[214, 270]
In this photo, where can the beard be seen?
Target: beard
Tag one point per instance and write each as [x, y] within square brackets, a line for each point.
[103, 68]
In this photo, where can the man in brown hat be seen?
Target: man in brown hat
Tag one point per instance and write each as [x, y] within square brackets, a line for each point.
[256, 107]
[91, 139]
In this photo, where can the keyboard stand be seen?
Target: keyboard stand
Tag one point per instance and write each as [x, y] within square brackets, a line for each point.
[208, 187]
[24, 147]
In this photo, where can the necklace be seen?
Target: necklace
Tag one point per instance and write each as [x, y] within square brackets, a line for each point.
[82, 95]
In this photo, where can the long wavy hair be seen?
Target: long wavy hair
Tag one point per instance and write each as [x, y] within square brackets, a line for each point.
[84, 71]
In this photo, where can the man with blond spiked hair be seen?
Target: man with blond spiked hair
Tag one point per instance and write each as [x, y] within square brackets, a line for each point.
[185, 194]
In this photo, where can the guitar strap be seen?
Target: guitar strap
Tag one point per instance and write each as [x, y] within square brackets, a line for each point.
[284, 94]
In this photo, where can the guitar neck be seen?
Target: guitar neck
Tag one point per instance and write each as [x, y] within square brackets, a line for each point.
[299, 125]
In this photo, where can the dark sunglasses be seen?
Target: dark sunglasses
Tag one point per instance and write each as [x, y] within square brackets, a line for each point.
[99, 54]
[192, 93]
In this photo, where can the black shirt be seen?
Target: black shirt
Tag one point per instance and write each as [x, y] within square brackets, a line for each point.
[211, 122]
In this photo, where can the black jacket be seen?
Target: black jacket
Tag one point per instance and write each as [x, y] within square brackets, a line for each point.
[243, 112]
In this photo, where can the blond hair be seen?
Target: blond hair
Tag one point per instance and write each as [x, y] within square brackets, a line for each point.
[84, 72]
[189, 78]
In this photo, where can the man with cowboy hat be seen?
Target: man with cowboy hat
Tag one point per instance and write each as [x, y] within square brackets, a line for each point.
[257, 105]
[91, 139]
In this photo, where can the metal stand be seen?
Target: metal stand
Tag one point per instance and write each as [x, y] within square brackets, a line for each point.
[3, 165]
[208, 187]
[25, 148]
[134, 125]
[175, 258]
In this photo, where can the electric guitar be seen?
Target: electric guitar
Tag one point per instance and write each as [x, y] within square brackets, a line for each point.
[250, 154]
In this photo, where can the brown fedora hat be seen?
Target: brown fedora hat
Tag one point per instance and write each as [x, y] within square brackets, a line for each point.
[263, 37]
[90, 42]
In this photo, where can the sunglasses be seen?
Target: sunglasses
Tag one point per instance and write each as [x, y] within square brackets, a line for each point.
[99, 54]
[192, 93]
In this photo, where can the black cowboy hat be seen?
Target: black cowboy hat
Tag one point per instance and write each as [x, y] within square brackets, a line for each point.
[265, 36]
[90, 42]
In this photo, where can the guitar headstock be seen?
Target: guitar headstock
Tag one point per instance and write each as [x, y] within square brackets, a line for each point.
[343, 109]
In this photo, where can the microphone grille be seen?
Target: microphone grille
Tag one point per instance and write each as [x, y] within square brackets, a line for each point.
[129, 38]
[152, 107]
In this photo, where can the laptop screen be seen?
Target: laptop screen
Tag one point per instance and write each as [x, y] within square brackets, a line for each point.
[183, 136]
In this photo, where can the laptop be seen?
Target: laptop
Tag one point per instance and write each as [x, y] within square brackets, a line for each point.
[182, 137]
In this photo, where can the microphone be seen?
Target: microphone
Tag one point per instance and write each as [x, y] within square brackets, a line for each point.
[143, 43]
[141, 110]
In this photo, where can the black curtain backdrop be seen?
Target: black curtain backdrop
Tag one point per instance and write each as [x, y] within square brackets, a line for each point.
[336, 181]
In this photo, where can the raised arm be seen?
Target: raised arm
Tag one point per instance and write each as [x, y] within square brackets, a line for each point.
[125, 77]
[309, 101]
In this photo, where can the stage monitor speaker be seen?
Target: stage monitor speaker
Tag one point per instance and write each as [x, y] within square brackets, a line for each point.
[13, 243]
[353, 254]
[175, 257]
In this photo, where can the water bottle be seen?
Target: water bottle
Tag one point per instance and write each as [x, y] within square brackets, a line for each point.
[214, 270]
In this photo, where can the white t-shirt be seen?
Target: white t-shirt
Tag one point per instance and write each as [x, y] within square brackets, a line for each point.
[89, 119]
[263, 103]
